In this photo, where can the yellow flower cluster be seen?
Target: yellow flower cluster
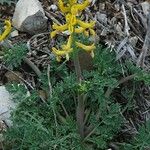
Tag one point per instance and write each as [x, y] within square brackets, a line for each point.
[6, 31]
[73, 25]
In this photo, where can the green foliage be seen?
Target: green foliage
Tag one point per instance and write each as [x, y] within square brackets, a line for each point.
[13, 56]
[142, 140]
[34, 126]
[108, 126]
[51, 124]
[105, 62]
[18, 90]
[141, 75]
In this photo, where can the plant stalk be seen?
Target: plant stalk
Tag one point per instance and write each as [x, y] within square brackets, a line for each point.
[80, 106]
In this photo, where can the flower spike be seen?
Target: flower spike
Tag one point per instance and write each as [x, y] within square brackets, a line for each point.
[71, 9]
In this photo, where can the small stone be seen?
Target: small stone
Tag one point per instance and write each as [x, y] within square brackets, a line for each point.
[53, 7]
[133, 41]
[146, 7]
[14, 33]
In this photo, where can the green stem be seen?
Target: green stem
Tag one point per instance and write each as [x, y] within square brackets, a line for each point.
[80, 106]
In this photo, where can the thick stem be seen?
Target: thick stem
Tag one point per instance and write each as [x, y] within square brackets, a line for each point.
[77, 68]
[80, 107]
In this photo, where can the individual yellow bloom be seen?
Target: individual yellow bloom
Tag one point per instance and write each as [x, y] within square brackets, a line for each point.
[62, 7]
[79, 30]
[74, 10]
[88, 48]
[58, 52]
[72, 2]
[85, 24]
[60, 27]
[68, 45]
[89, 32]
[7, 30]
[92, 32]
[83, 5]
[71, 19]
[61, 53]
[53, 33]
[68, 18]
[83, 30]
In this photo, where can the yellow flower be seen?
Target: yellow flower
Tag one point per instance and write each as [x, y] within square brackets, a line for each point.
[7, 30]
[66, 49]
[85, 31]
[62, 7]
[73, 25]
[68, 18]
[89, 32]
[85, 24]
[53, 33]
[87, 48]
[71, 21]
[79, 30]
[83, 5]
[60, 27]
[71, 28]
[92, 32]
[68, 45]
[61, 53]
[74, 10]
[72, 2]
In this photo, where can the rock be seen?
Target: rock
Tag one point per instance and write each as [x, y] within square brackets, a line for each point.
[29, 17]
[146, 7]
[133, 41]
[14, 33]
[6, 105]
[101, 17]
[53, 8]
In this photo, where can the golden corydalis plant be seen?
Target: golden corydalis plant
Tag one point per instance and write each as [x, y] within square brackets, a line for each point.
[73, 25]
[6, 31]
